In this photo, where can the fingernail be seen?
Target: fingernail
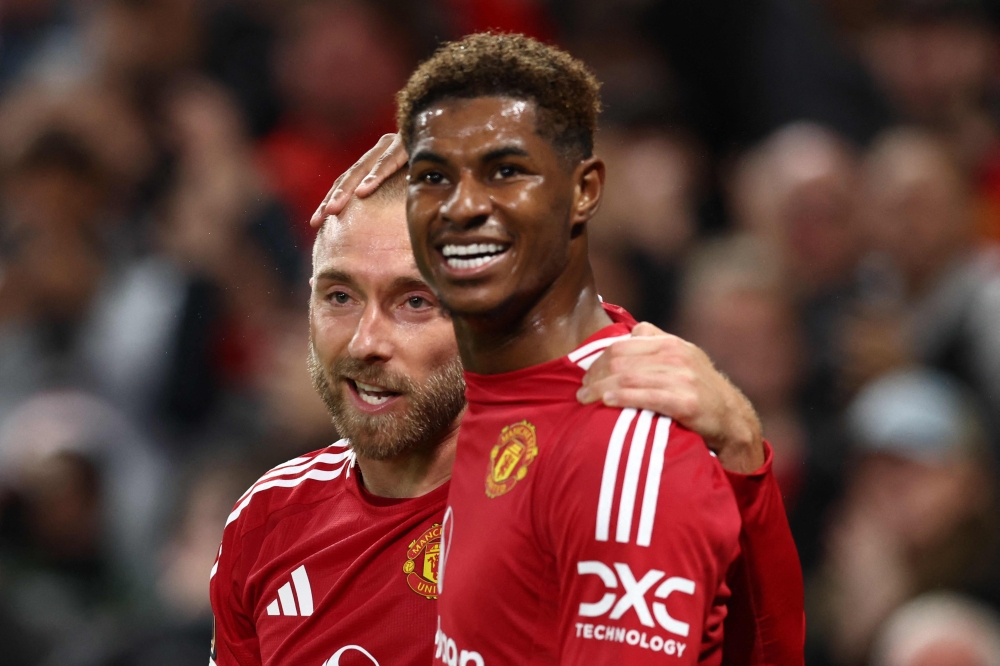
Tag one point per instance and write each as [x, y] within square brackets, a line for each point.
[336, 195]
[610, 399]
[583, 395]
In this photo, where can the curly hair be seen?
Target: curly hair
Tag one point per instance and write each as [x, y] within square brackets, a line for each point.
[566, 93]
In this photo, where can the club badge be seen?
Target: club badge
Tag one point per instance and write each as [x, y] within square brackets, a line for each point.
[509, 459]
[421, 566]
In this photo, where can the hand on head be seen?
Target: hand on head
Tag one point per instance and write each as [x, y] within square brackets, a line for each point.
[383, 160]
[663, 373]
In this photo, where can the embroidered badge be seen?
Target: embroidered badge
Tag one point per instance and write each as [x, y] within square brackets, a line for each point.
[509, 459]
[421, 566]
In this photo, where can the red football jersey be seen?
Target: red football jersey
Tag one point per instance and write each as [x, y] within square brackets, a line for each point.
[581, 534]
[315, 570]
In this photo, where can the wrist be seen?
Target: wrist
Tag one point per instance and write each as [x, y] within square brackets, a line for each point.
[741, 447]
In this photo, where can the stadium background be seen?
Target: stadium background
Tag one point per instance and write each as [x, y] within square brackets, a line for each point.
[808, 189]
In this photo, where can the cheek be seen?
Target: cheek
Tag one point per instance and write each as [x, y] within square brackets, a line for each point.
[331, 336]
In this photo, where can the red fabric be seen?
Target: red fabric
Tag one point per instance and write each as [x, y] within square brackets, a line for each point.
[354, 548]
[766, 624]
[528, 575]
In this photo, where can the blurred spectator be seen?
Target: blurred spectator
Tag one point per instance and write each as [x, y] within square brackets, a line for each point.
[943, 286]
[647, 219]
[53, 262]
[798, 193]
[295, 419]
[224, 231]
[82, 516]
[939, 629]
[25, 28]
[213, 485]
[919, 512]
[338, 65]
[936, 61]
[735, 307]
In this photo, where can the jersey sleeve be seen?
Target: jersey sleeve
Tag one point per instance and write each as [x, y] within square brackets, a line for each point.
[766, 622]
[643, 525]
[234, 641]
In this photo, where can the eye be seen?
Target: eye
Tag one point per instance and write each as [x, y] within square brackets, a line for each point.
[506, 171]
[340, 297]
[417, 302]
[432, 178]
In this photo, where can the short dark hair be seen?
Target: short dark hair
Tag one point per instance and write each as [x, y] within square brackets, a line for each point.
[509, 65]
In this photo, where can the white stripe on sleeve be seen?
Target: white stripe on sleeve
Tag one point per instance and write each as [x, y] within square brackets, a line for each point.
[610, 476]
[652, 492]
[635, 453]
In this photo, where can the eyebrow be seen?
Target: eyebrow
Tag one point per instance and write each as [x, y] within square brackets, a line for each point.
[427, 156]
[505, 151]
[491, 156]
[334, 275]
[403, 283]
[400, 283]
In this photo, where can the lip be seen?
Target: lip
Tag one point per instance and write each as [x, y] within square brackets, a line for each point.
[363, 406]
[471, 272]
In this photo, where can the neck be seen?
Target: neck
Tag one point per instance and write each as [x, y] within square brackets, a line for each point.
[413, 473]
[567, 313]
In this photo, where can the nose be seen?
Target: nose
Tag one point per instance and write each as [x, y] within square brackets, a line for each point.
[469, 204]
[372, 341]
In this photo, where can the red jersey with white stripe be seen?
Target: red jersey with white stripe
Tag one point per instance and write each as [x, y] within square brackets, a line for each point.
[316, 571]
[581, 534]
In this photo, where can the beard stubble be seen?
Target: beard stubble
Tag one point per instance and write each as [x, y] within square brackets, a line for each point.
[434, 404]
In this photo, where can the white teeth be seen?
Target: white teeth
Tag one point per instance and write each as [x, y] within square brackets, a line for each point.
[373, 400]
[470, 263]
[473, 248]
[373, 395]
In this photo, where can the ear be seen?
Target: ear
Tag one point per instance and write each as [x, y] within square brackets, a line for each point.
[588, 190]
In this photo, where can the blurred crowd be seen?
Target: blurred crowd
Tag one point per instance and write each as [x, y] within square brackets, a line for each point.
[807, 189]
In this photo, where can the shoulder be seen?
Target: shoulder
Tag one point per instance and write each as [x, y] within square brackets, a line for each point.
[308, 478]
[630, 462]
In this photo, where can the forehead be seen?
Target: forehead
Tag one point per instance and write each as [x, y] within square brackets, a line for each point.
[481, 121]
[368, 241]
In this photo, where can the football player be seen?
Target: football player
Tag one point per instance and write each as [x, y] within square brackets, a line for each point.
[574, 534]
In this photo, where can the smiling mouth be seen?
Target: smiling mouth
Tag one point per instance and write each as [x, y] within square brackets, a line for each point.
[473, 255]
[371, 394]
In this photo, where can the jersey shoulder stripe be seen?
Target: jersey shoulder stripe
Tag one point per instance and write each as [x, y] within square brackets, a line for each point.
[646, 423]
[586, 355]
[322, 465]
[314, 466]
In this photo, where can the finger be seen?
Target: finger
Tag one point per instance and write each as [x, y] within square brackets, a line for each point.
[664, 379]
[345, 186]
[389, 162]
[655, 400]
[635, 358]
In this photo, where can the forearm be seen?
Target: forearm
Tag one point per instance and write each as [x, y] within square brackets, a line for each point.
[767, 620]
[739, 444]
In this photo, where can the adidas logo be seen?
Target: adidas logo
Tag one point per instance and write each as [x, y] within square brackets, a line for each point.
[287, 598]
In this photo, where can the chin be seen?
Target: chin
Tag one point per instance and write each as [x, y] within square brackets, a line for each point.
[473, 303]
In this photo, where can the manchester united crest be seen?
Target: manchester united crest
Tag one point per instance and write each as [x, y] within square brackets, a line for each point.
[421, 566]
[509, 459]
